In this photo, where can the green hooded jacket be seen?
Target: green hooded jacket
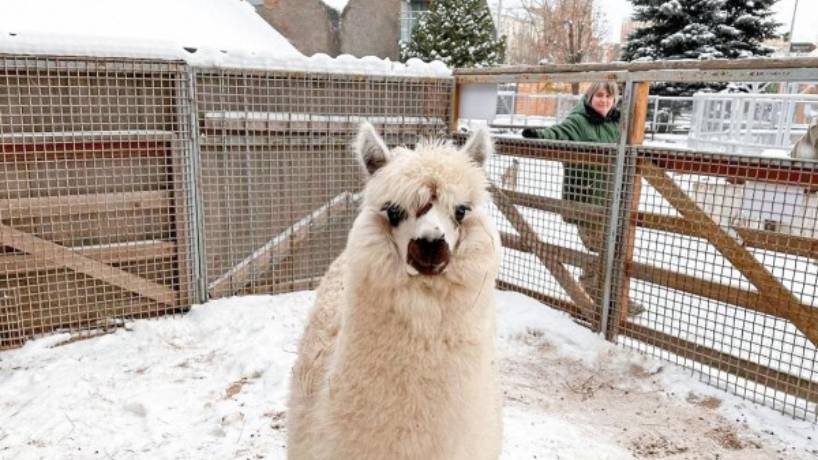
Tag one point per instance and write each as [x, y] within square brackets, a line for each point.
[583, 183]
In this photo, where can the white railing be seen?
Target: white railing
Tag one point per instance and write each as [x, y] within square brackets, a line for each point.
[750, 123]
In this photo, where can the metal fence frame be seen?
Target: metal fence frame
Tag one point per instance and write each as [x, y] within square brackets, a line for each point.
[796, 393]
[107, 109]
[438, 98]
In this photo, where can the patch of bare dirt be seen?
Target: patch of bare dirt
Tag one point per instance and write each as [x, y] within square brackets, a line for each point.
[629, 404]
[708, 402]
[650, 445]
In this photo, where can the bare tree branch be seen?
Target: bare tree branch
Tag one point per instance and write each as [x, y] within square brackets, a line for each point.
[560, 31]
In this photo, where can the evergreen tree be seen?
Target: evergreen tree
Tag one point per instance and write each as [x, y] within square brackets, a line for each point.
[460, 33]
[675, 29]
[748, 23]
[699, 29]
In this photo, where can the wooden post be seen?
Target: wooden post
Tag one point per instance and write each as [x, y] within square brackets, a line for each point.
[454, 110]
[636, 135]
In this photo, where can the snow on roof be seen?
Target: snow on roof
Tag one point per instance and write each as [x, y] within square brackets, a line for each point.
[160, 28]
[337, 5]
[207, 33]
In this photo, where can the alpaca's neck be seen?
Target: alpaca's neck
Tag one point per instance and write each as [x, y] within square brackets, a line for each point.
[414, 311]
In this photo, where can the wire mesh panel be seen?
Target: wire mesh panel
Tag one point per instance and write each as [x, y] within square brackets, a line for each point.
[551, 205]
[724, 260]
[95, 210]
[278, 179]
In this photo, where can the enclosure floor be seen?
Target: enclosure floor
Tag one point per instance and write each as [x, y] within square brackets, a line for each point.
[213, 384]
[627, 410]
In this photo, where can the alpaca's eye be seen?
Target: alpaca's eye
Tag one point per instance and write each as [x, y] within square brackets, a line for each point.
[394, 213]
[460, 212]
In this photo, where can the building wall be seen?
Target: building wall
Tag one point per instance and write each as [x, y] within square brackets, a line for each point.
[365, 28]
[309, 25]
[371, 28]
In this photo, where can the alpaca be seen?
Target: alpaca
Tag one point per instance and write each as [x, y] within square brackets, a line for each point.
[397, 360]
[509, 177]
[807, 147]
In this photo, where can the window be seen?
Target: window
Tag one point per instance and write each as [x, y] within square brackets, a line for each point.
[410, 12]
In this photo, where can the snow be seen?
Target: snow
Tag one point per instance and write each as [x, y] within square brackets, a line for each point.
[203, 33]
[106, 27]
[213, 384]
[337, 5]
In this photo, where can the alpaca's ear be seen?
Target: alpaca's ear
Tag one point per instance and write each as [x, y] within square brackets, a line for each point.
[479, 146]
[370, 149]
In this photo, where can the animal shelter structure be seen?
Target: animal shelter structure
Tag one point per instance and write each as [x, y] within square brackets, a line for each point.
[135, 188]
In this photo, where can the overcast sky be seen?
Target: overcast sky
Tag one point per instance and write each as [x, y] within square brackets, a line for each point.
[806, 22]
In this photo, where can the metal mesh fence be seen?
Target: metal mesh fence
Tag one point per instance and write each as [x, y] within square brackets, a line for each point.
[95, 209]
[135, 188]
[279, 183]
[714, 256]
[723, 260]
[551, 205]
[715, 267]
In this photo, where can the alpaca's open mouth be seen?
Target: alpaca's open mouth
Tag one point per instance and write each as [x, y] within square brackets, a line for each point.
[428, 258]
[428, 269]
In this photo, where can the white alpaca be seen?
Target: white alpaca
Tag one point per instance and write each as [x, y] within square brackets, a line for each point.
[397, 360]
[509, 177]
[807, 147]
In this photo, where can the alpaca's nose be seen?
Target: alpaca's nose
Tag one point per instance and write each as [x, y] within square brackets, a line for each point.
[428, 256]
[431, 249]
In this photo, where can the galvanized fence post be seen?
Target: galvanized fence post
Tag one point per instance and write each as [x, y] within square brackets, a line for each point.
[194, 182]
[614, 214]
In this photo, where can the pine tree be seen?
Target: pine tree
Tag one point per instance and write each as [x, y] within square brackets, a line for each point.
[460, 33]
[699, 29]
[748, 23]
[675, 29]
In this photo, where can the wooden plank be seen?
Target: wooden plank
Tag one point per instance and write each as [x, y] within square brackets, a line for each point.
[685, 283]
[779, 242]
[554, 151]
[636, 127]
[558, 271]
[454, 110]
[785, 304]
[682, 64]
[565, 208]
[743, 368]
[56, 150]
[107, 254]
[20, 208]
[100, 228]
[690, 284]
[772, 171]
[563, 254]
[759, 239]
[61, 137]
[49, 252]
[276, 249]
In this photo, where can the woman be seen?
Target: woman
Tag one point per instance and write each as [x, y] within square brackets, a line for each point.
[594, 119]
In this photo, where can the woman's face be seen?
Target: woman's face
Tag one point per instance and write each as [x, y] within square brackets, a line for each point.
[602, 101]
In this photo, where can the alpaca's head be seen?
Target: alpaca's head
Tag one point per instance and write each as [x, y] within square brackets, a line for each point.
[425, 205]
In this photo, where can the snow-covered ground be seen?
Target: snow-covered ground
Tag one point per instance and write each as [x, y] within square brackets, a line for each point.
[213, 384]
